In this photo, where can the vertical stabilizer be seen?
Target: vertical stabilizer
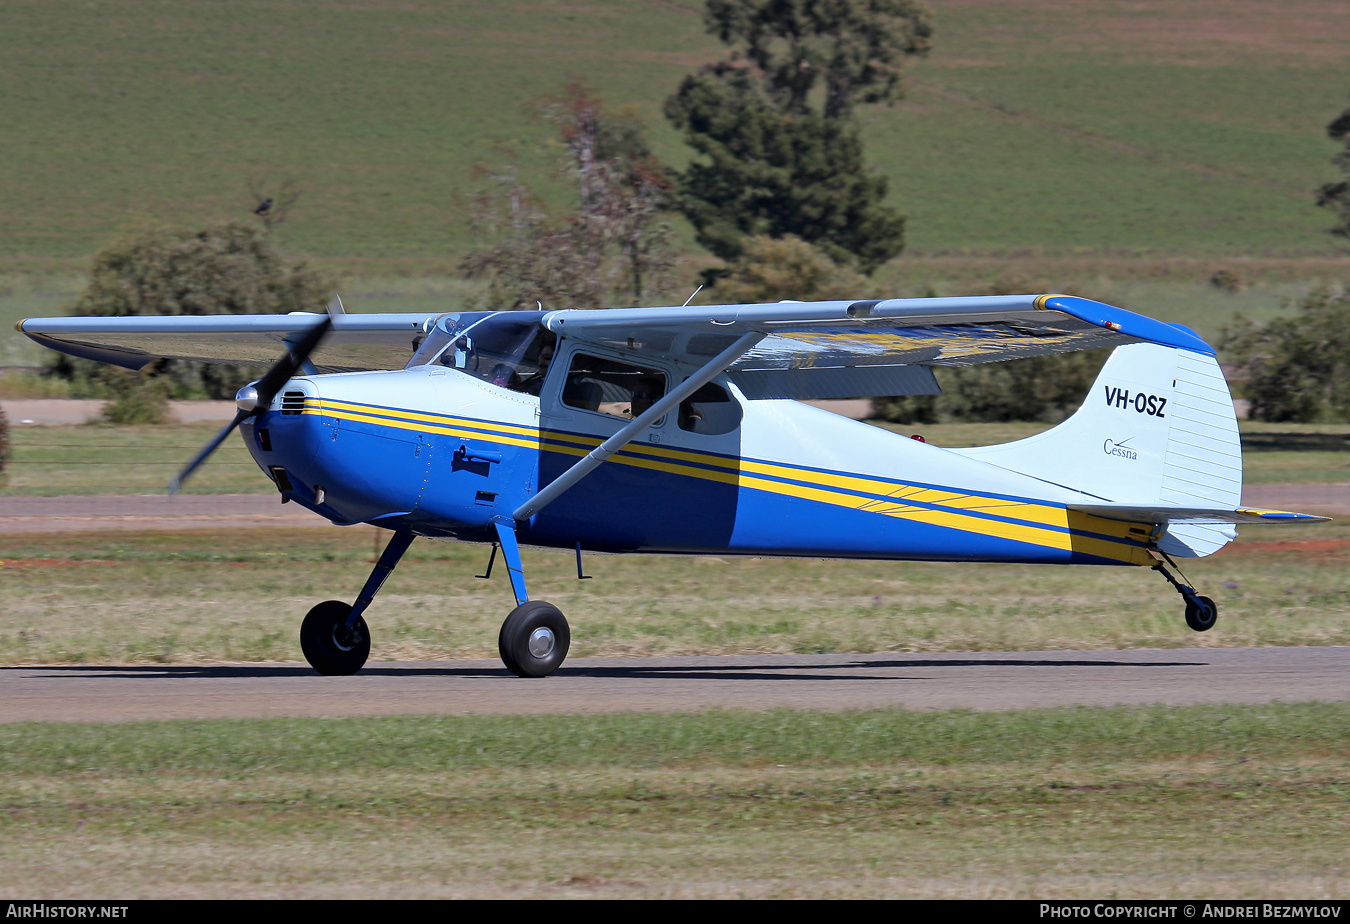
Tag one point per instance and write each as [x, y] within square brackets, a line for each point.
[1157, 429]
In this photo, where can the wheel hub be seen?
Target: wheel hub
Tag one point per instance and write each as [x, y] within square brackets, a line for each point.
[541, 642]
[344, 637]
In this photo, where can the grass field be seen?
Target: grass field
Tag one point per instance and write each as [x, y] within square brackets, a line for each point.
[102, 459]
[1213, 802]
[1037, 129]
[239, 595]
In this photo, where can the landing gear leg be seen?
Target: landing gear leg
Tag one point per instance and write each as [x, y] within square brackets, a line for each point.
[535, 637]
[334, 636]
[1201, 612]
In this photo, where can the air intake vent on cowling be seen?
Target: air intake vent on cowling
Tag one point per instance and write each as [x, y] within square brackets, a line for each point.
[292, 402]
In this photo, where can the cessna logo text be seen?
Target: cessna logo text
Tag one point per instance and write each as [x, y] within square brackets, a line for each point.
[1151, 405]
[1112, 448]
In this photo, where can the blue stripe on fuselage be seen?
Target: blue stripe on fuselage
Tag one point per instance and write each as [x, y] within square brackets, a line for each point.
[673, 499]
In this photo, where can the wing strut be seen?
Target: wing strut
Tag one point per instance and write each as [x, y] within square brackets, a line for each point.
[640, 423]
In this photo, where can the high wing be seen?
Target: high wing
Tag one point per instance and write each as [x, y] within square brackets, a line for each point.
[834, 349]
[356, 341]
[849, 349]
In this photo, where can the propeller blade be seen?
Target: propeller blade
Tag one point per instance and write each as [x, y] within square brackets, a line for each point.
[211, 447]
[288, 365]
[263, 392]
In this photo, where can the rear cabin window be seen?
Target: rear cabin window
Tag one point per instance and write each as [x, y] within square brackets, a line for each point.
[710, 410]
[610, 387]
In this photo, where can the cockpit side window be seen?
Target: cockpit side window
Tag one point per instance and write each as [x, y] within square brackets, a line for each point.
[528, 376]
[610, 387]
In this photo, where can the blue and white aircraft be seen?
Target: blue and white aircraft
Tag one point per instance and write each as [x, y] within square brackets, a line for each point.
[678, 431]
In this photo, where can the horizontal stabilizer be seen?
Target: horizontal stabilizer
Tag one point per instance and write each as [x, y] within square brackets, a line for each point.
[1194, 515]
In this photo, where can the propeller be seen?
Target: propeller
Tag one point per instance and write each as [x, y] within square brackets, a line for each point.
[256, 398]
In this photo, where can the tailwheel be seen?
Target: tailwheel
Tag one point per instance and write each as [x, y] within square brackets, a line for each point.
[330, 646]
[534, 639]
[1201, 613]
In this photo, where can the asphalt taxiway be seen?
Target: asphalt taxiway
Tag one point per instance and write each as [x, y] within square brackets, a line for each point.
[978, 681]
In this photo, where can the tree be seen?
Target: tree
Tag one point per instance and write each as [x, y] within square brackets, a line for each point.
[771, 173]
[4, 443]
[1336, 196]
[1296, 368]
[855, 48]
[613, 247]
[223, 269]
[781, 150]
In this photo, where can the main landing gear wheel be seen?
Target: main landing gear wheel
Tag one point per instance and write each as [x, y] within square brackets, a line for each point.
[534, 639]
[329, 646]
[1201, 613]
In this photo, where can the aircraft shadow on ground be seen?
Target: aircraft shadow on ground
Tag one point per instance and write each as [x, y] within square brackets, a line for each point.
[636, 671]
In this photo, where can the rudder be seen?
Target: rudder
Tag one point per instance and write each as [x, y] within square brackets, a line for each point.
[1156, 429]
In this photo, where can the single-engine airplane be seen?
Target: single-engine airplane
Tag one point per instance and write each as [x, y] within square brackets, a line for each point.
[678, 430]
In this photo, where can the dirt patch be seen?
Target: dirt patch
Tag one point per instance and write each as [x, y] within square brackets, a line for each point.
[1321, 548]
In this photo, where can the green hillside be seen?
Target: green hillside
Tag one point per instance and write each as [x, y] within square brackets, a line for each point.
[1143, 128]
[1049, 128]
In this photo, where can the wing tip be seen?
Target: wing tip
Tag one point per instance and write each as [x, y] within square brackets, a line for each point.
[1126, 322]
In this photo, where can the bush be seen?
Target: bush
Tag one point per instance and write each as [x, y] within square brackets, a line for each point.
[136, 398]
[1227, 281]
[224, 269]
[1042, 388]
[1295, 368]
[770, 269]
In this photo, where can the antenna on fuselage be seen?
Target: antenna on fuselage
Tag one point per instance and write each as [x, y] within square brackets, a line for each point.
[691, 297]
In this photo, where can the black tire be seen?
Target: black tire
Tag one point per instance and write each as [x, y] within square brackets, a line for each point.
[527, 654]
[1201, 613]
[329, 646]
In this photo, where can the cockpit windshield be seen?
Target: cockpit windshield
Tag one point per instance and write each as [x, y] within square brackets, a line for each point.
[506, 348]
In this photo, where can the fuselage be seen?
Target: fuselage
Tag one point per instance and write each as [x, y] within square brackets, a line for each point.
[444, 454]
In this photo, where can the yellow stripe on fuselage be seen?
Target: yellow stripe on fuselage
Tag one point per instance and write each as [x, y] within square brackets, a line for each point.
[1040, 524]
[426, 423]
